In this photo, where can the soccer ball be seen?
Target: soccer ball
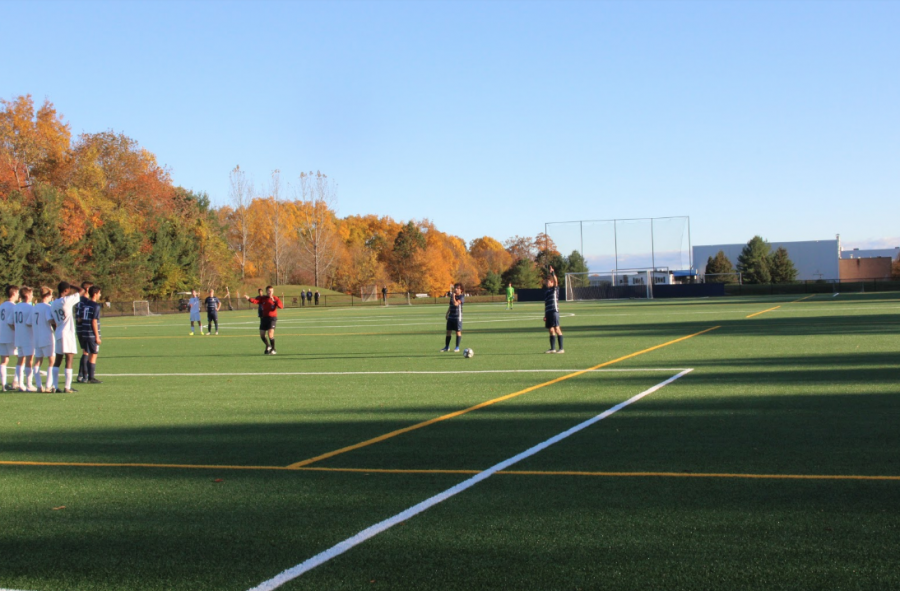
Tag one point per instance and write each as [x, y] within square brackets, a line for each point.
[468, 353]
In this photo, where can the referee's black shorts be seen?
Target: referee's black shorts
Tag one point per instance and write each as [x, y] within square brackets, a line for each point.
[267, 323]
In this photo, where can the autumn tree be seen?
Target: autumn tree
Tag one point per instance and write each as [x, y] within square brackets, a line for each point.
[317, 236]
[236, 219]
[409, 242]
[520, 247]
[31, 143]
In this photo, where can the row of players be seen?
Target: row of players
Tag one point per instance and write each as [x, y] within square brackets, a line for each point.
[49, 329]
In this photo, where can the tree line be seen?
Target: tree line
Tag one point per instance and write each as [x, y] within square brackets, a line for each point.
[756, 264]
[99, 206]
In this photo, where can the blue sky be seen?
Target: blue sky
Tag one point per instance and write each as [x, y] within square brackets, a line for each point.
[492, 118]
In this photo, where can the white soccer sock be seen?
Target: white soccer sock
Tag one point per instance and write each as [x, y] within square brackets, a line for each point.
[18, 381]
[68, 378]
[37, 378]
[3, 376]
[56, 377]
[26, 382]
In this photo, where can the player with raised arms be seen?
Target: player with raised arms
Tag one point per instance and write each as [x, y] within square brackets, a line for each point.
[551, 312]
[8, 334]
[66, 339]
[194, 307]
[25, 340]
[454, 318]
[268, 306]
[44, 339]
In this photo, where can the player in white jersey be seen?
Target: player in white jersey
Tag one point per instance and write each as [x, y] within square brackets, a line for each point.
[25, 340]
[44, 339]
[66, 340]
[8, 334]
[194, 307]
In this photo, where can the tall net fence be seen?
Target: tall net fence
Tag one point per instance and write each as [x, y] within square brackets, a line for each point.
[609, 246]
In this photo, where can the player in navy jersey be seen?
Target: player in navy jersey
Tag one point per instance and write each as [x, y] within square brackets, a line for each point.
[212, 304]
[454, 318]
[88, 330]
[84, 299]
[551, 312]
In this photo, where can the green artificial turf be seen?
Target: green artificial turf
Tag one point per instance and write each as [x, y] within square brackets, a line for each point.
[185, 486]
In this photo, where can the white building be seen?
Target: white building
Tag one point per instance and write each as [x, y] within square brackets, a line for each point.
[813, 259]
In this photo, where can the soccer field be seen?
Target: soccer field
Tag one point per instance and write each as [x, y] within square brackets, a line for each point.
[758, 447]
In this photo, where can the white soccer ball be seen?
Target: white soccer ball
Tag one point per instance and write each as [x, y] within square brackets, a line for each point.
[468, 353]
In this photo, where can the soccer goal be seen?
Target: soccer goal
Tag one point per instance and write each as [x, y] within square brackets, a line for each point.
[612, 285]
[369, 293]
[142, 308]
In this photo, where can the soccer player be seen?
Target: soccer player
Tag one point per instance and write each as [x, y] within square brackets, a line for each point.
[44, 339]
[8, 334]
[89, 334]
[268, 305]
[66, 339]
[25, 340]
[212, 311]
[510, 293]
[83, 299]
[259, 295]
[194, 307]
[551, 312]
[454, 318]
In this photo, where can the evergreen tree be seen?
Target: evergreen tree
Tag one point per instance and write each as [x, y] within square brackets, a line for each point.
[783, 270]
[49, 257]
[523, 274]
[117, 262]
[492, 282]
[14, 248]
[720, 266]
[754, 261]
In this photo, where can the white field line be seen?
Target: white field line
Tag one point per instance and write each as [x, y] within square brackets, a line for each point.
[299, 323]
[388, 373]
[337, 550]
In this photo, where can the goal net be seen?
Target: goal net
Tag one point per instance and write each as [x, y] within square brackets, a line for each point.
[618, 245]
[611, 285]
[369, 293]
[142, 308]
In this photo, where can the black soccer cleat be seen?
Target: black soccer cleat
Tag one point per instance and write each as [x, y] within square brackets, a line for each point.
[93, 381]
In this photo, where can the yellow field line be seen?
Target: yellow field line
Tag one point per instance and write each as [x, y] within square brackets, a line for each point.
[763, 312]
[481, 405]
[465, 472]
[806, 298]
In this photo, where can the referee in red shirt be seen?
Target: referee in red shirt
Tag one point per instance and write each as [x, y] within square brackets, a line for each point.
[268, 306]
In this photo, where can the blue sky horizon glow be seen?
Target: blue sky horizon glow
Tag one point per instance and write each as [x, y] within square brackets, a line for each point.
[494, 117]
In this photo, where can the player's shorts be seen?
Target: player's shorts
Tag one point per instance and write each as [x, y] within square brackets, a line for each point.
[195, 316]
[67, 344]
[8, 350]
[267, 323]
[89, 345]
[26, 349]
[454, 324]
[552, 320]
[46, 352]
[212, 315]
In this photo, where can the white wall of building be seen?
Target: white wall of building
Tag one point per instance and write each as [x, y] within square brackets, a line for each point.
[813, 259]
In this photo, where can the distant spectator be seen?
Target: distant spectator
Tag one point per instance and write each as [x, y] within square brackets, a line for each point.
[316, 295]
[384, 294]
